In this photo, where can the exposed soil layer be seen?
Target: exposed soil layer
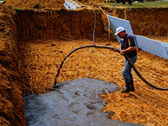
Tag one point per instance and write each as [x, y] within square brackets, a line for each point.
[58, 24]
[53, 24]
[144, 21]
[11, 97]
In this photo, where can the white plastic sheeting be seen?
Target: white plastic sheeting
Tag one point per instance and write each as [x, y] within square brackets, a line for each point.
[152, 46]
[164, 49]
[144, 43]
[116, 22]
[70, 4]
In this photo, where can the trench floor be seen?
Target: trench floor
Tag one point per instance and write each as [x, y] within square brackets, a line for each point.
[40, 60]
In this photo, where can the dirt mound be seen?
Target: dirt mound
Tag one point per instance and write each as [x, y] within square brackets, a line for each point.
[30, 3]
[45, 4]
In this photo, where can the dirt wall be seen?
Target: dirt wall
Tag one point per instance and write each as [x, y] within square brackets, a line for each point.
[144, 21]
[58, 24]
[67, 25]
[11, 98]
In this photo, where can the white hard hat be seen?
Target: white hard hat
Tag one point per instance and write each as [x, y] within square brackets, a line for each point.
[119, 29]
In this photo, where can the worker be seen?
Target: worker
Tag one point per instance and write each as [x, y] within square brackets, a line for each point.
[129, 2]
[128, 47]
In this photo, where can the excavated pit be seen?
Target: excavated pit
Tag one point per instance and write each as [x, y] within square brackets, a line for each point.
[26, 32]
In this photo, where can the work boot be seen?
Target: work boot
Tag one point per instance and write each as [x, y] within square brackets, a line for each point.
[132, 86]
[129, 87]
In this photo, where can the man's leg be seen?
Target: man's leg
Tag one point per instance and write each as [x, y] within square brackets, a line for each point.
[128, 75]
[126, 71]
[123, 2]
[133, 59]
[129, 1]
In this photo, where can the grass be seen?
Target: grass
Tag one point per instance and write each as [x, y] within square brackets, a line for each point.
[153, 4]
[16, 8]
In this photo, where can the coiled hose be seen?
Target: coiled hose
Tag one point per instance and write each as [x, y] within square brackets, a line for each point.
[112, 48]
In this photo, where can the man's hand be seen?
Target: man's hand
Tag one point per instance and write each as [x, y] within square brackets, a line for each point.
[122, 52]
[129, 49]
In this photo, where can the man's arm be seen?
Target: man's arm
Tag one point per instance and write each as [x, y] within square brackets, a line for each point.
[129, 49]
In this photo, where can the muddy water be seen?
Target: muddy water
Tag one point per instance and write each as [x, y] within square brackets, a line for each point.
[74, 102]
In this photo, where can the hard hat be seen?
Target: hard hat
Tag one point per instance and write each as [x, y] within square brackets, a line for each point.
[119, 29]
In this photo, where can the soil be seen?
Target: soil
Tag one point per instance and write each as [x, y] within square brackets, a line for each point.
[40, 61]
[46, 4]
[11, 96]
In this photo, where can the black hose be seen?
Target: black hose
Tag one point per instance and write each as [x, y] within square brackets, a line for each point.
[140, 76]
[112, 48]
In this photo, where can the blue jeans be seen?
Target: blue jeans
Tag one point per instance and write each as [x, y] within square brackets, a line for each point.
[127, 69]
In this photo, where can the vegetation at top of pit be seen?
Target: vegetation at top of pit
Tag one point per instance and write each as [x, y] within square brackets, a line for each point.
[135, 4]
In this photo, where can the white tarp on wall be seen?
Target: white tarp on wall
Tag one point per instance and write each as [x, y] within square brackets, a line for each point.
[149, 45]
[152, 46]
[116, 22]
[164, 49]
